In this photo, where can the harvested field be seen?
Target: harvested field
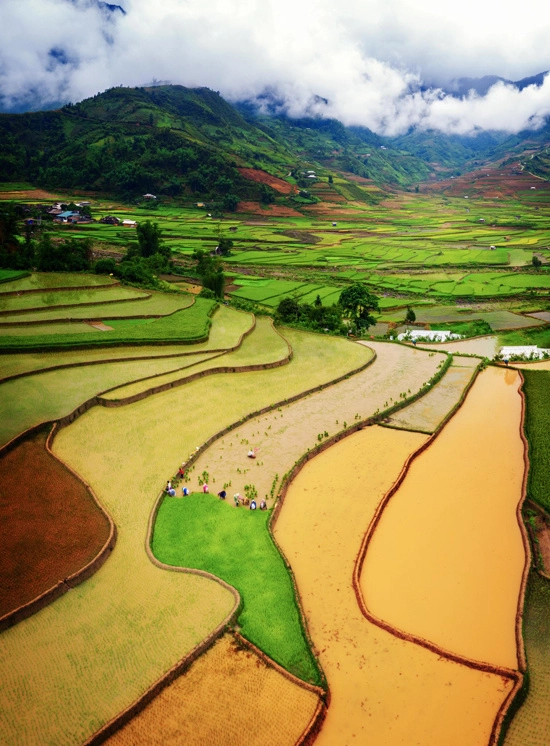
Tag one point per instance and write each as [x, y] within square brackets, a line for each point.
[266, 708]
[480, 346]
[446, 560]
[531, 724]
[50, 525]
[29, 194]
[282, 437]
[542, 315]
[127, 454]
[262, 177]
[384, 691]
[264, 346]
[428, 413]
[227, 328]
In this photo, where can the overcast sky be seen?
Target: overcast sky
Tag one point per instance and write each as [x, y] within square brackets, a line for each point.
[368, 58]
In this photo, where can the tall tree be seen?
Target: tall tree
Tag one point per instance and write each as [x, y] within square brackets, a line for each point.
[357, 303]
[150, 241]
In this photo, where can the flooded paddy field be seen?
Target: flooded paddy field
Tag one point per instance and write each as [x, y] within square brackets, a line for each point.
[385, 691]
[446, 560]
[428, 413]
[481, 346]
[281, 437]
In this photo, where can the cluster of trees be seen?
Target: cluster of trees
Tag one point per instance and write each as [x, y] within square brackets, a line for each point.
[210, 270]
[144, 259]
[352, 313]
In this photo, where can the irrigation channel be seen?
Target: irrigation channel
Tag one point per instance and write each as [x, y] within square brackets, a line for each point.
[446, 562]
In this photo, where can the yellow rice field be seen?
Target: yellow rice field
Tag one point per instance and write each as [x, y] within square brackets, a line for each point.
[229, 697]
[263, 346]
[447, 558]
[228, 325]
[385, 691]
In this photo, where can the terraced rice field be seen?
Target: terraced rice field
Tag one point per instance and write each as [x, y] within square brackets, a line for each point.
[265, 346]
[151, 305]
[260, 706]
[384, 691]
[531, 724]
[61, 298]
[126, 454]
[427, 414]
[445, 563]
[43, 397]
[227, 328]
[187, 325]
[54, 280]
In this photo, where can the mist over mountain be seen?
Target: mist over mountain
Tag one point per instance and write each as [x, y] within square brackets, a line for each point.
[384, 65]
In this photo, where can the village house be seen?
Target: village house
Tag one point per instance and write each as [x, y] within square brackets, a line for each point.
[129, 223]
[110, 220]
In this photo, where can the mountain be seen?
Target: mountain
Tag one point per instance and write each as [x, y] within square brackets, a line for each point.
[462, 86]
[174, 140]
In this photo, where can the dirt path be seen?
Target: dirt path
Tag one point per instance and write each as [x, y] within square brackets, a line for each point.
[446, 560]
[384, 691]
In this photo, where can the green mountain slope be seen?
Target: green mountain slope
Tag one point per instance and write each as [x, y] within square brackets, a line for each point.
[174, 140]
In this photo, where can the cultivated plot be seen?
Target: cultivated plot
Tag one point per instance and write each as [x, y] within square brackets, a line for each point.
[259, 706]
[384, 691]
[445, 563]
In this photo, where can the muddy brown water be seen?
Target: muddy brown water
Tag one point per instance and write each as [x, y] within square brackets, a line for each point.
[385, 691]
[447, 557]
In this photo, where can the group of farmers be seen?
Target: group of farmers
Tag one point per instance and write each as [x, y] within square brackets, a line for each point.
[252, 505]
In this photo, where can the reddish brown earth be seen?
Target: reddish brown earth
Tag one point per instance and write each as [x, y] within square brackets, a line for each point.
[50, 525]
[262, 177]
[491, 182]
[277, 211]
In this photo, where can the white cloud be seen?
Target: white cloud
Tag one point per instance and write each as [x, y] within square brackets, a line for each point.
[368, 58]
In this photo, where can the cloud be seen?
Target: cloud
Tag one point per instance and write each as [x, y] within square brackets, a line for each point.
[370, 59]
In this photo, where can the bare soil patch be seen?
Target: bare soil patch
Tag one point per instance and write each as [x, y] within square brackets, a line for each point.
[277, 211]
[50, 525]
[262, 177]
